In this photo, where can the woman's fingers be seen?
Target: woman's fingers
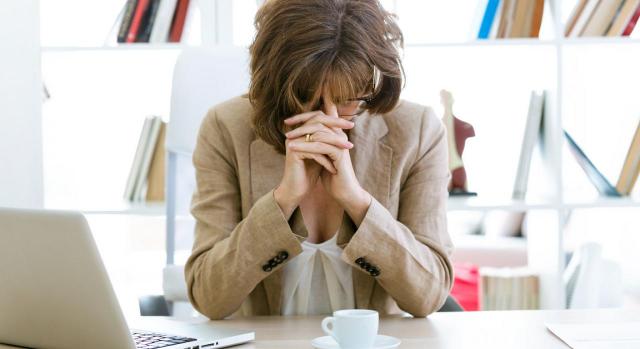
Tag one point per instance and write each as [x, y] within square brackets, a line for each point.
[322, 134]
[339, 140]
[331, 151]
[319, 117]
[306, 128]
[292, 120]
[320, 159]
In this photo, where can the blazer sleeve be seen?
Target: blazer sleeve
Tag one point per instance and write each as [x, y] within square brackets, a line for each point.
[230, 253]
[412, 252]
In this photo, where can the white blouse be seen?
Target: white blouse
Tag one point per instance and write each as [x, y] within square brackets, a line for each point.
[317, 281]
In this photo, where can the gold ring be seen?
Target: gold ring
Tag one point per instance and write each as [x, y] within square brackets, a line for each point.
[308, 137]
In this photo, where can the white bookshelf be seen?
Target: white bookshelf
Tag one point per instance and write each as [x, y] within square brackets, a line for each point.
[545, 238]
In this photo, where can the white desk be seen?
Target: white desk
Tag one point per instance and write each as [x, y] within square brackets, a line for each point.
[504, 329]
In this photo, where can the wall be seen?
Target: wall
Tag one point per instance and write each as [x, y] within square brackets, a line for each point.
[21, 175]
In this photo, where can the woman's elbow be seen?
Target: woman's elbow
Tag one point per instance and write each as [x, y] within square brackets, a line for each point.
[433, 299]
[208, 304]
[205, 296]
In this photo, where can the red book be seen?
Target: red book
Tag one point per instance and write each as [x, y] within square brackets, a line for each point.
[632, 23]
[178, 21]
[137, 19]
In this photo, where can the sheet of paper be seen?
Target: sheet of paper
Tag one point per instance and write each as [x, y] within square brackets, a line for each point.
[613, 335]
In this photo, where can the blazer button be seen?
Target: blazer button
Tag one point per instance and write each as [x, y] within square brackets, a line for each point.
[273, 263]
[365, 266]
[283, 255]
[277, 259]
[267, 268]
[360, 261]
[374, 272]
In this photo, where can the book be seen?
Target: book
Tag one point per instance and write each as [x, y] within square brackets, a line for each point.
[162, 24]
[602, 18]
[623, 17]
[631, 167]
[520, 29]
[488, 19]
[632, 23]
[134, 172]
[573, 18]
[508, 288]
[595, 176]
[155, 179]
[141, 7]
[147, 155]
[493, 32]
[177, 26]
[129, 9]
[583, 19]
[506, 18]
[536, 19]
[148, 21]
[529, 140]
[508, 223]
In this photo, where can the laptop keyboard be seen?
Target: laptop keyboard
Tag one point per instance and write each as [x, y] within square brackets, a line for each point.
[149, 340]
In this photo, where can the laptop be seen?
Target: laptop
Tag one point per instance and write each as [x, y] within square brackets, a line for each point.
[55, 292]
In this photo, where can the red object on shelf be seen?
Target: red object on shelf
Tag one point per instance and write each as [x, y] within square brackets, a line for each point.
[137, 20]
[632, 23]
[178, 21]
[465, 287]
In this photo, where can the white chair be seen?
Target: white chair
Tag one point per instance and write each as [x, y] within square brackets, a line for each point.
[202, 78]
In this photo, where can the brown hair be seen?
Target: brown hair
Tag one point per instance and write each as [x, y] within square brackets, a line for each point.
[348, 46]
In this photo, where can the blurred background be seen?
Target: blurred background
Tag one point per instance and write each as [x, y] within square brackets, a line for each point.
[96, 94]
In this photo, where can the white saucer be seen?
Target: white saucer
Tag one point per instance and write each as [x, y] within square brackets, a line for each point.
[381, 342]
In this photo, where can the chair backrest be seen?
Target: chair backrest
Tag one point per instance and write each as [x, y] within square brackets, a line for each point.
[202, 78]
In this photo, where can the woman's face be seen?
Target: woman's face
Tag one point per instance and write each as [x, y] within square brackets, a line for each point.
[350, 109]
[346, 110]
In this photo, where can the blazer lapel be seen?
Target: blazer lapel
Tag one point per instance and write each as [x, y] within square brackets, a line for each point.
[371, 159]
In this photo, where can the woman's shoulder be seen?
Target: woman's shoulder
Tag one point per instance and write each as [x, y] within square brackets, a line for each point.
[410, 120]
[235, 110]
[232, 116]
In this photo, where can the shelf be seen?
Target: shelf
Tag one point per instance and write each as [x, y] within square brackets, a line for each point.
[142, 209]
[454, 204]
[481, 204]
[603, 202]
[486, 42]
[444, 44]
[122, 47]
[599, 41]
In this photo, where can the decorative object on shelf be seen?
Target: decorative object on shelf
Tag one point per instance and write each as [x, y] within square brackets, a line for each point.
[509, 18]
[146, 177]
[457, 133]
[595, 176]
[154, 21]
[509, 289]
[631, 167]
[603, 18]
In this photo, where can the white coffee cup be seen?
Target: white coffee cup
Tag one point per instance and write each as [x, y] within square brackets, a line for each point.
[352, 328]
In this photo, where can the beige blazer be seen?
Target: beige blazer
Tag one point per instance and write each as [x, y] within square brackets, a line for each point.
[399, 253]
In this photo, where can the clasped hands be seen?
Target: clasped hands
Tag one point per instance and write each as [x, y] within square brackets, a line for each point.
[329, 148]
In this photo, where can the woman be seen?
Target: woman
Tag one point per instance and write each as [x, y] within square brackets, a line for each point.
[321, 190]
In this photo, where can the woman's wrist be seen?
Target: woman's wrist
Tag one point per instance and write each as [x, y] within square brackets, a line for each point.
[286, 202]
[357, 205]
